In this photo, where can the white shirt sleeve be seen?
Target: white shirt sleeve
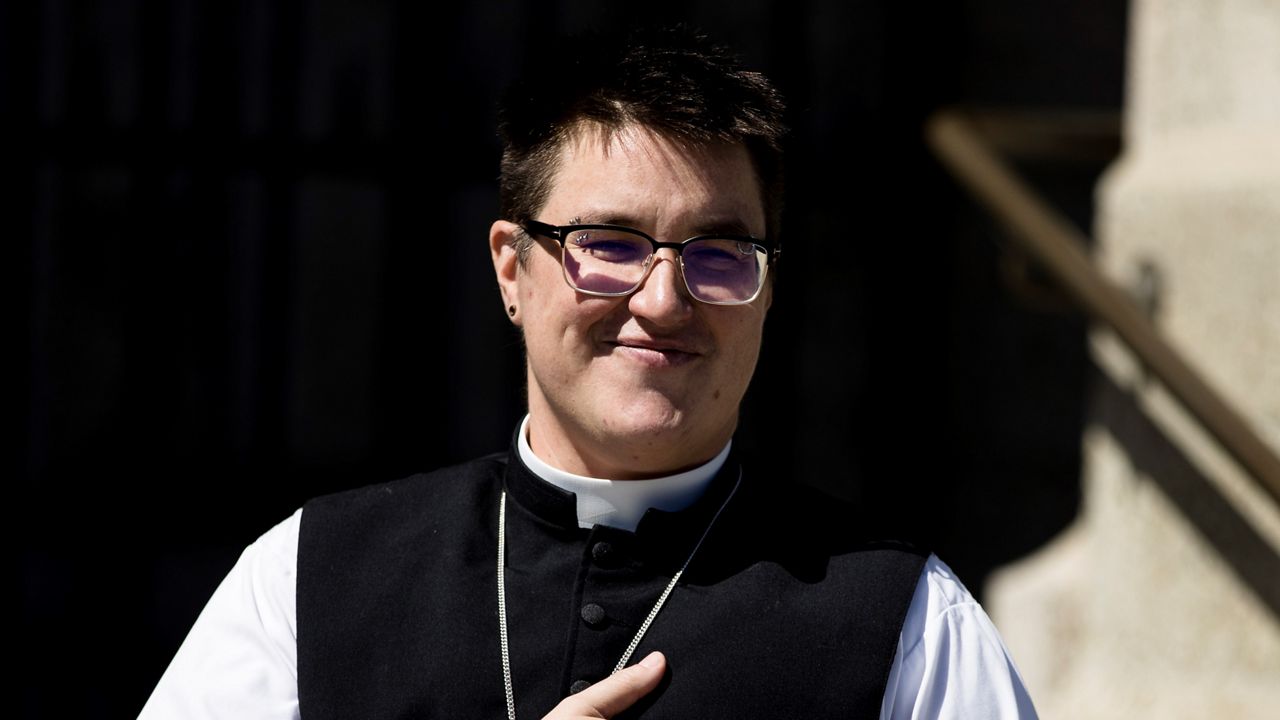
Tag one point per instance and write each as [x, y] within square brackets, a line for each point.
[240, 658]
[951, 662]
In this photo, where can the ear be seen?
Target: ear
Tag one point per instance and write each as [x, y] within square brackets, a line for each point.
[506, 265]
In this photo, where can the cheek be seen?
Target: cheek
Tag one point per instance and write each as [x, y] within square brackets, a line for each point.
[743, 347]
[559, 329]
[528, 290]
[754, 336]
[538, 302]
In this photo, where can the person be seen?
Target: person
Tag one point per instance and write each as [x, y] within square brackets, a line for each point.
[619, 559]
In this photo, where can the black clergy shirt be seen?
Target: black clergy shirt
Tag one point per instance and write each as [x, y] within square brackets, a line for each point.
[787, 609]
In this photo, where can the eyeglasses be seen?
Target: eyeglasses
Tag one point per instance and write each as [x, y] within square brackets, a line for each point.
[612, 261]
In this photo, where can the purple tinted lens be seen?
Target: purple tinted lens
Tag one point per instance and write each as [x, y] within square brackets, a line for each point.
[605, 261]
[723, 271]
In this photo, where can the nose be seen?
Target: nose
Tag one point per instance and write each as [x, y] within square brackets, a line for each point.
[662, 297]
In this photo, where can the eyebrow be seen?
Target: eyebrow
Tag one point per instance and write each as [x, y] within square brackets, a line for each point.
[714, 226]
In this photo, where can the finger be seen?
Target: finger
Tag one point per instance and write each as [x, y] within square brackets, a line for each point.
[616, 692]
[622, 689]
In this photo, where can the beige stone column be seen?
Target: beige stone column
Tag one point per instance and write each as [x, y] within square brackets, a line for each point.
[1164, 599]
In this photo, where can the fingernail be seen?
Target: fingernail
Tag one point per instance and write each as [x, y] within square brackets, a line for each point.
[652, 660]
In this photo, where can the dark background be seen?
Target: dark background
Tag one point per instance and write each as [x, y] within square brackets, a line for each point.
[252, 261]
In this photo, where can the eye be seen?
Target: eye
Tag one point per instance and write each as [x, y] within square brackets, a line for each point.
[720, 255]
[609, 248]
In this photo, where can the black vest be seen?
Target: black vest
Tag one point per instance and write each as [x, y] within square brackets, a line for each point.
[785, 612]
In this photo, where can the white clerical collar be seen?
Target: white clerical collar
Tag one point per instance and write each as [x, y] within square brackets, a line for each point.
[621, 503]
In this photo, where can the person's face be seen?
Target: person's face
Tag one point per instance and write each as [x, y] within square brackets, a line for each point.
[649, 383]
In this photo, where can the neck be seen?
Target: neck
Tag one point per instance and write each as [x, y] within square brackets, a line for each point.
[621, 504]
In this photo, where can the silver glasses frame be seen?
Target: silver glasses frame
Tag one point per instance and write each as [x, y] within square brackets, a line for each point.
[561, 233]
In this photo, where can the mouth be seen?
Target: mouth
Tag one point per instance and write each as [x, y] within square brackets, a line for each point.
[655, 353]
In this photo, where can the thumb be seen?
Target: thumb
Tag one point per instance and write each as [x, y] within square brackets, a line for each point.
[615, 693]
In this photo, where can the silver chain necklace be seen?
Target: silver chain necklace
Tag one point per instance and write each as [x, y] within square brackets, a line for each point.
[644, 626]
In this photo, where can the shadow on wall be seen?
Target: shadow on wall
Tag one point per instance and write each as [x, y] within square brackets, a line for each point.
[1156, 456]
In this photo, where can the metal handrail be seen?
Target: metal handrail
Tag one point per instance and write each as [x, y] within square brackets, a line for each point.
[1061, 250]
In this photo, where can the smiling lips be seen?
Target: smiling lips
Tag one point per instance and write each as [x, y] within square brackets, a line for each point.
[656, 352]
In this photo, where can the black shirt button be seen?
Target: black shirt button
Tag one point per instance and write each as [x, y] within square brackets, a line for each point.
[578, 686]
[593, 615]
[601, 552]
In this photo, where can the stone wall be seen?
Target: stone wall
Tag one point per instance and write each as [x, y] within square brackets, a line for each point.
[1163, 600]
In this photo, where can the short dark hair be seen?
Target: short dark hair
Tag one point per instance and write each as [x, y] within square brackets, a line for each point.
[673, 81]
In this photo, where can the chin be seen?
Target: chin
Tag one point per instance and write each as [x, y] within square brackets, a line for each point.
[647, 417]
[647, 423]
